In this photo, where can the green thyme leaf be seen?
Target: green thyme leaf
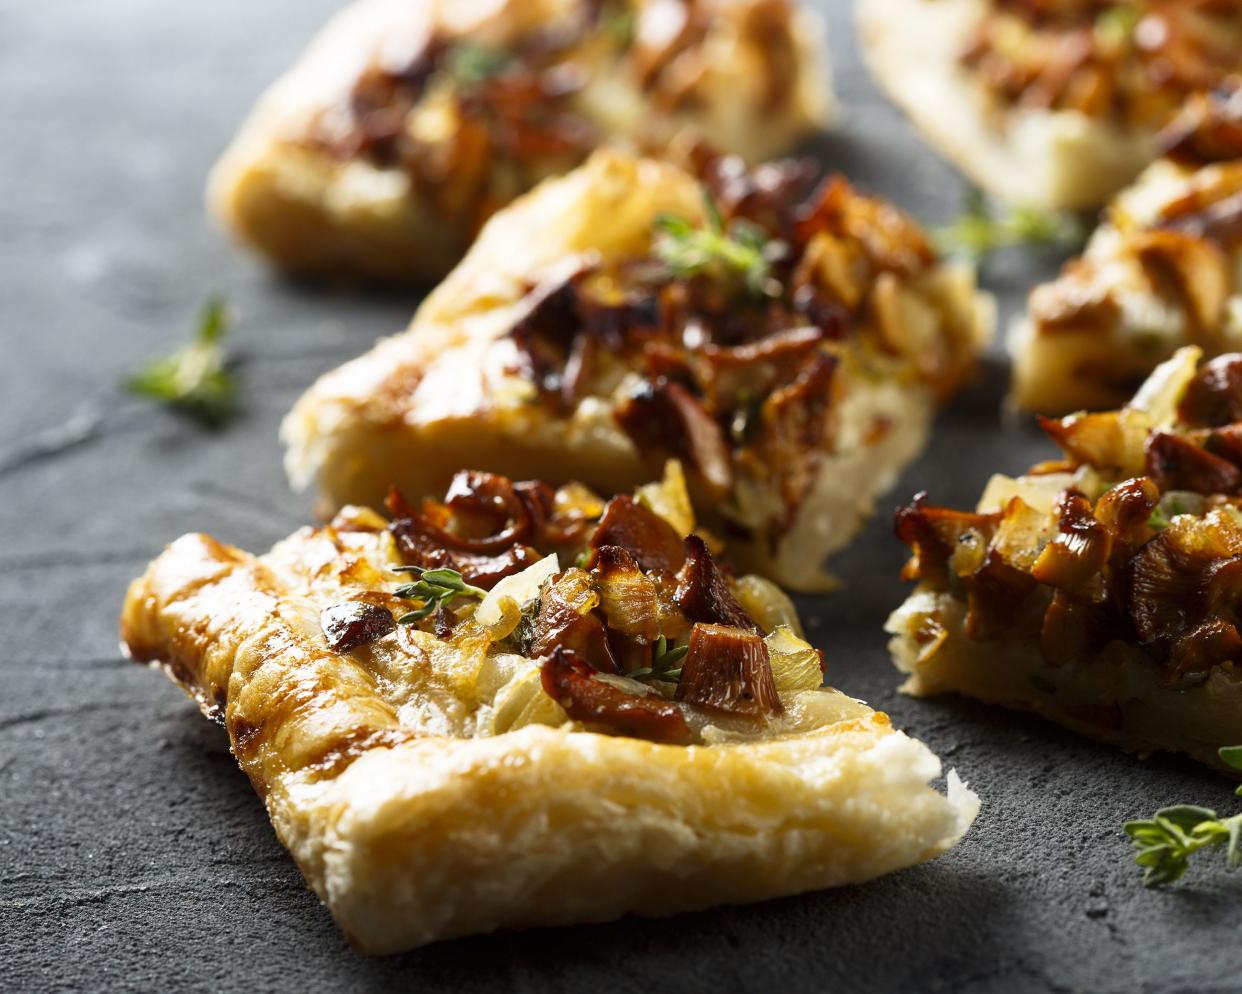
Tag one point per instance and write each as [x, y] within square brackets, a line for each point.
[668, 656]
[1166, 842]
[435, 588]
[195, 379]
[663, 662]
[470, 64]
[980, 230]
[739, 253]
[1159, 520]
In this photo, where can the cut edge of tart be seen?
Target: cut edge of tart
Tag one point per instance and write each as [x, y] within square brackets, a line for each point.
[453, 731]
[1099, 590]
[1163, 270]
[404, 126]
[786, 341]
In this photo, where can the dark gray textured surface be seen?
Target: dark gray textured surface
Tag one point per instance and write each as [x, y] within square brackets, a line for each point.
[133, 854]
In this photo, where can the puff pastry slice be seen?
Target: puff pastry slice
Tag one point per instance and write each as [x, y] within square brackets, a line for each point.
[1163, 270]
[787, 341]
[1056, 103]
[1100, 590]
[408, 122]
[520, 706]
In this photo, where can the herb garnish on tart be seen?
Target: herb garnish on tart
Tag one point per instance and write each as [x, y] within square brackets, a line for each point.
[1103, 590]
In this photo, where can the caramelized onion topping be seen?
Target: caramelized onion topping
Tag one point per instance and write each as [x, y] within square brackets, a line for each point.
[628, 597]
[353, 624]
[487, 527]
[727, 669]
[423, 544]
[570, 681]
[1080, 548]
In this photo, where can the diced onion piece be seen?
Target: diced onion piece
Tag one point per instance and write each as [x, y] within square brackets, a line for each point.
[1159, 396]
[1023, 532]
[669, 498]
[795, 663]
[766, 603]
[521, 588]
[1039, 492]
[522, 702]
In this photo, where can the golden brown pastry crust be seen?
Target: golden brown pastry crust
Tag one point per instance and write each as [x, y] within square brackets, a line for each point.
[449, 391]
[412, 826]
[329, 212]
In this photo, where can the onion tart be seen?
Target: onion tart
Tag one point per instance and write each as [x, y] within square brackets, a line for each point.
[523, 706]
[408, 122]
[787, 340]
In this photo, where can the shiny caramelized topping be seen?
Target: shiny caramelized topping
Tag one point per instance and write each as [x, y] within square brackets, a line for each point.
[1209, 129]
[570, 681]
[720, 347]
[475, 123]
[1135, 62]
[612, 603]
[1154, 560]
[348, 626]
[727, 669]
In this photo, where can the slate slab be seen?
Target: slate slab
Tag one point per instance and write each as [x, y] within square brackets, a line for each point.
[134, 855]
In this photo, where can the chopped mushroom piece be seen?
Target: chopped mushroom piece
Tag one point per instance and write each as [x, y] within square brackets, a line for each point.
[727, 669]
[571, 681]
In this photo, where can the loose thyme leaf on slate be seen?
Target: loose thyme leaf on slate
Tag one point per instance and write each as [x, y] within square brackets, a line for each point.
[195, 379]
[1166, 841]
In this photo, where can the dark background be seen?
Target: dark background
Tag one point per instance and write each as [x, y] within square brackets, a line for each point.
[133, 853]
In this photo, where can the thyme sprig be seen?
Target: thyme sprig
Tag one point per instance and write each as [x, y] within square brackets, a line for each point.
[740, 251]
[469, 64]
[435, 588]
[1166, 841]
[195, 379]
[664, 660]
[982, 229]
